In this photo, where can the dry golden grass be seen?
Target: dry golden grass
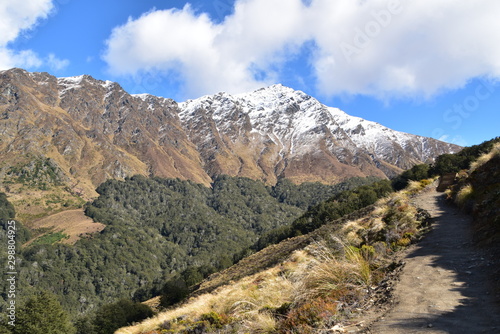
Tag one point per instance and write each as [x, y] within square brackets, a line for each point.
[72, 222]
[414, 187]
[32, 204]
[463, 195]
[262, 322]
[310, 273]
[351, 231]
[495, 151]
[335, 274]
[243, 301]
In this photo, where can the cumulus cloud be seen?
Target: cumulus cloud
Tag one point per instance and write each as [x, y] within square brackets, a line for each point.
[387, 48]
[17, 17]
[382, 48]
[25, 58]
[235, 55]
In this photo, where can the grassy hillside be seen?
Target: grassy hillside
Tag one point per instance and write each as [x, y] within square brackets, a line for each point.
[318, 280]
[302, 284]
[477, 191]
[38, 187]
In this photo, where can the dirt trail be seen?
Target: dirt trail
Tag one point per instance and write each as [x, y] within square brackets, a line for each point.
[443, 287]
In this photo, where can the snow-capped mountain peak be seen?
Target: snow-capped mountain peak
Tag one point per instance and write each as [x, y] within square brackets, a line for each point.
[299, 125]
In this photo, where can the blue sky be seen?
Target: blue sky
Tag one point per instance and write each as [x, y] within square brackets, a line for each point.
[426, 67]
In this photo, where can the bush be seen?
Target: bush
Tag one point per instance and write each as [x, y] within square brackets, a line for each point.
[339, 205]
[453, 163]
[308, 316]
[216, 320]
[416, 173]
[110, 317]
[174, 291]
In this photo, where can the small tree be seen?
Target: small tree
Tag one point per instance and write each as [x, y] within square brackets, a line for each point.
[174, 291]
[43, 314]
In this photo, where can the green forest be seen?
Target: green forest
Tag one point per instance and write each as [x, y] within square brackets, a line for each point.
[158, 232]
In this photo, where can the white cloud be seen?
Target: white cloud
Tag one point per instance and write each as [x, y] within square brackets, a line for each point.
[383, 48]
[209, 57]
[387, 48]
[17, 17]
[26, 58]
[55, 63]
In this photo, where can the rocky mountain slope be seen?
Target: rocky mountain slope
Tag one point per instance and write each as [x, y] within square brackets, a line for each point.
[90, 130]
[277, 131]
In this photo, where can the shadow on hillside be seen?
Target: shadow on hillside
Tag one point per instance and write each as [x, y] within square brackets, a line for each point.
[450, 246]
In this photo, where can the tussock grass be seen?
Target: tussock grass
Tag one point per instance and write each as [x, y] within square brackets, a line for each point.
[244, 302]
[465, 194]
[495, 151]
[341, 278]
[261, 322]
[414, 187]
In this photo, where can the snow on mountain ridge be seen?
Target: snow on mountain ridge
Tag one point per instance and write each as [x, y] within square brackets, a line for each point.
[288, 117]
[293, 119]
[277, 112]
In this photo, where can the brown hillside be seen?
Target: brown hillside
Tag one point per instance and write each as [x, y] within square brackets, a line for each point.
[73, 223]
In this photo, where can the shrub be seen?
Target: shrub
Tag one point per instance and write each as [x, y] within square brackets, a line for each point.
[403, 242]
[122, 313]
[216, 320]
[309, 315]
[464, 196]
[174, 291]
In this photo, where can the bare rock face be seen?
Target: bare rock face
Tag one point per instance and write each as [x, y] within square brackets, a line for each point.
[94, 130]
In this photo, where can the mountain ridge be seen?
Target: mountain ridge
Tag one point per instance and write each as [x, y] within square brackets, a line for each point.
[93, 130]
[297, 126]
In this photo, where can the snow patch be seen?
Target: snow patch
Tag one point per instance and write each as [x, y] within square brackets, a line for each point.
[69, 83]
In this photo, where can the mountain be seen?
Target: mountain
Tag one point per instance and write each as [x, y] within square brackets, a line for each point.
[279, 132]
[89, 130]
